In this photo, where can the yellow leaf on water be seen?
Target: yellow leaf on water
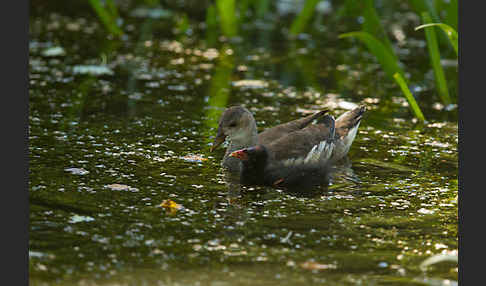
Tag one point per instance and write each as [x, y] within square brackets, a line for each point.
[170, 206]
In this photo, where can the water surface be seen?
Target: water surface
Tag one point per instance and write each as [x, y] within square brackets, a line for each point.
[106, 149]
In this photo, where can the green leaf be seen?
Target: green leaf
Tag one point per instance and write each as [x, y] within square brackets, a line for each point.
[411, 100]
[421, 6]
[448, 30]
[219, 89]
[107, 16]
[387, 59]
[452, 12]
[261, 7]
[211, 25]
[182, 24]
[300, 23]
[227, 15]
[434, 54]
[373, 26]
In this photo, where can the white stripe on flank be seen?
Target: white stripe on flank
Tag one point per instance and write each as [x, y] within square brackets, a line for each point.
[319, 153]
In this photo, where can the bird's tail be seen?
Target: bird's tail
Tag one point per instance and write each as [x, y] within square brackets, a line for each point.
[322, 152]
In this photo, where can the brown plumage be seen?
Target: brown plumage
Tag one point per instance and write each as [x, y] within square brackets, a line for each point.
[270, 135]
[298, 159]
[238, 125]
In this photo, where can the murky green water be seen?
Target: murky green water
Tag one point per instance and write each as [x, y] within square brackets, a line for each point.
[106, 150]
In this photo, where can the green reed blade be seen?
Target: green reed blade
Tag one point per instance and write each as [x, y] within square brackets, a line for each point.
[434, 54]
[448, 30]
[411, 100]
[421, 6]
[112, 9]
[219, 89]
[373, 26]
[387, 60]
[452, 11]
[261, 7]
[304, 17]
[211, 26]
[107, 18]
[227, 16]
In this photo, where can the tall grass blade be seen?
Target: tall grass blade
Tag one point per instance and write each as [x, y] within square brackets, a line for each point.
[211, 26]
[435, 60]
[373, 26]
[107, 18]
[227, 16]
[304, 17]
[386, 58]
[262, 7]
[448, 30]
[112, 9]
[421, 6]
[452, 11]
[411, 100]
[182, 25]
[219, 89]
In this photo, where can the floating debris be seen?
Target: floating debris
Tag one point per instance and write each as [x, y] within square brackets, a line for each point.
[347, 105]
[41, 255]
[179, 87]
[120, 187]
[438, 144]
[53, 52]
[135, 96]
[425, 211]
[92, 70]
[306, 111]
[334, 101]
[77, 171]
[311, 265]
[250, 83]
[193, 158]
[80, 218]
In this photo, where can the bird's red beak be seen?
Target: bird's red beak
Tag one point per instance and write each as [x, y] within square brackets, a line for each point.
[240, 154]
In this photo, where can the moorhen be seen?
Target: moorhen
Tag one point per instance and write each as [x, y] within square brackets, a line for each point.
[301, 158]
[238, 125]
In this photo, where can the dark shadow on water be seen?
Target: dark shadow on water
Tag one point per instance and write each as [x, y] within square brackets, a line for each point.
[310, 185]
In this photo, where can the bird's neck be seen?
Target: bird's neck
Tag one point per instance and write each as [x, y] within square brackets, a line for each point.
[243, 140]
[240, 141]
